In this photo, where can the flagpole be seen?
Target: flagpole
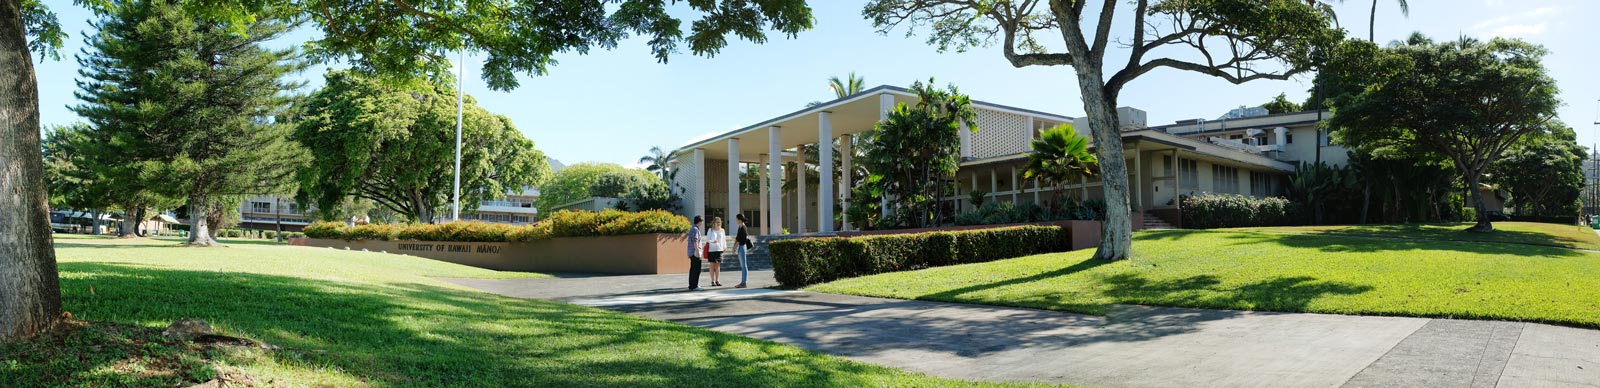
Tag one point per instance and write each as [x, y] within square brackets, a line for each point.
[461, 72]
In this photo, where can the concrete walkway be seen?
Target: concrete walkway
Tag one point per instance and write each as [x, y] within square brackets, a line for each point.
[1134, 346]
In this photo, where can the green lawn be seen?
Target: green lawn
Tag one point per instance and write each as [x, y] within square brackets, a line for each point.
[369, 319]
[1568, 236]
[1246, 270]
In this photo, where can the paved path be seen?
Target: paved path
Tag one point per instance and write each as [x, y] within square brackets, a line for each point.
[1133, 346]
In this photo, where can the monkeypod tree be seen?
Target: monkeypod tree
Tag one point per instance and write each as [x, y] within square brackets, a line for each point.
[1465, 100]
[1236, 40]
[401, 39]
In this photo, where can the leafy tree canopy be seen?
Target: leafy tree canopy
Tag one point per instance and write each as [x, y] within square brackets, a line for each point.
[416, 38]
[1465, 100]
[395, 145]
[1281, 104]
[1544, 174]
[585, 180]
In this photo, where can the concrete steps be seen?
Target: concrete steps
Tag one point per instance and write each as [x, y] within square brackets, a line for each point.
[1153, 222]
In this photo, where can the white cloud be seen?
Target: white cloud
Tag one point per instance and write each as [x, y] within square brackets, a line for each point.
[1524, 24]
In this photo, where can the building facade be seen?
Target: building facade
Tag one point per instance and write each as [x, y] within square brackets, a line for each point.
[1246, 152]
[264, 211]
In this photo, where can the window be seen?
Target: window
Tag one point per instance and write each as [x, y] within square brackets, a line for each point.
[260, 207]
[1188, 174]
[1288, 138]
[1224, 179]
[1263, 184]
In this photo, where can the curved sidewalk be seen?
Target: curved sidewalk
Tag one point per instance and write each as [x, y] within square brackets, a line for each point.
[1135, 346]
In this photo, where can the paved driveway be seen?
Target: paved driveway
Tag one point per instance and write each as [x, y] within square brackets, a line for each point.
[1134, 346]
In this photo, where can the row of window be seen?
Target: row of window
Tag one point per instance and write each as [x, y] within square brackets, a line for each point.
[1225, 179]
[266, 207]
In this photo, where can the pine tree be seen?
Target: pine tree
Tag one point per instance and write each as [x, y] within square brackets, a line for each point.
[189, 107]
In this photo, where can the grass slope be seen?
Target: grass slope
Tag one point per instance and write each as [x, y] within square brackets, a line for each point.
[1243, 270]
[1530, 233]
[368, 319]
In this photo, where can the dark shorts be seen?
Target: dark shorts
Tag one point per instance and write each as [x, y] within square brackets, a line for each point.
[715, 257]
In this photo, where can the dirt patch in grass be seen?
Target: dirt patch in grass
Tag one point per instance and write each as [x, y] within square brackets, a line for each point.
[97, 354]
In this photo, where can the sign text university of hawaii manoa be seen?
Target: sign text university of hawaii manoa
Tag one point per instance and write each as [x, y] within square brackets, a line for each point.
[630, 254]
[450, 247]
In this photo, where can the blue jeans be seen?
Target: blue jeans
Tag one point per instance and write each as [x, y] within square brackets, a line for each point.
[744, 270]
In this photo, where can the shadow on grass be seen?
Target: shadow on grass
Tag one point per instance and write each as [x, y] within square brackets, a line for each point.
[1334, 241]
[859, 326]
[423, 335]
[1285, 294]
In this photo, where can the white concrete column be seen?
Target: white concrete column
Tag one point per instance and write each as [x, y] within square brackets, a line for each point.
[775, 182]
[734, 179]
[1036, 192]
[697, 197]
[994, 183]
[848, 150]
[825, 172]
[885, 104]
[801, 205]
[1016, 186]
[1281, 138]
[966, 141]
[763, 225]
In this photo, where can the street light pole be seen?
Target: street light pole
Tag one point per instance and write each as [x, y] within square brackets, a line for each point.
[461, 72]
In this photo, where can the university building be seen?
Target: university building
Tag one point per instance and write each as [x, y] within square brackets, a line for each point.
[1245, 152]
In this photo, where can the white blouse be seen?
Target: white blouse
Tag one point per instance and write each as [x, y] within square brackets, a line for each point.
[715, 238]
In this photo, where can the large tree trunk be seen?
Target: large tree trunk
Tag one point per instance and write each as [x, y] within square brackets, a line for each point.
[130, 225]
[96, 227]
[1116, 239]
[199, 217]
[1478, 205]
[138, 227]
[30, 292]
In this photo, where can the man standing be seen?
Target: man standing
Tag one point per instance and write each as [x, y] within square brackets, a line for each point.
[694, 254]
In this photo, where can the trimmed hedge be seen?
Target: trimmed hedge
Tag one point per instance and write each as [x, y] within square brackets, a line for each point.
[561, 224]
[801, 262]
[1233, 211]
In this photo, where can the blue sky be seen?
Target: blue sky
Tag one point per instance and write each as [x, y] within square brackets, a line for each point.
[612, 106]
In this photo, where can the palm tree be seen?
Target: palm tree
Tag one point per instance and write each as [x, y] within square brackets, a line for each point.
[851, 85]
[659, 161]
[1372, 18]
[1060, 155]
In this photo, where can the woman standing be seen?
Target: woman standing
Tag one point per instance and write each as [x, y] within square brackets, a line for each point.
[742, 239]
[716, 241]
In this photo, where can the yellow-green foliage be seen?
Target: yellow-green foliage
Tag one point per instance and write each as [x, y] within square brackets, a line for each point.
[564, 223]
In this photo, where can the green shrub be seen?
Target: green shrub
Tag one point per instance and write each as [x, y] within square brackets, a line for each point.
[271, 234]
[381, 232]
[325, 229]
[801, 262]
[1233, 211]
[468, 231]
[561, 224]
[294, 235]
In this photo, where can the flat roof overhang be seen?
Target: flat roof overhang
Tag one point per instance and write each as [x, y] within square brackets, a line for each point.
[850, 115]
